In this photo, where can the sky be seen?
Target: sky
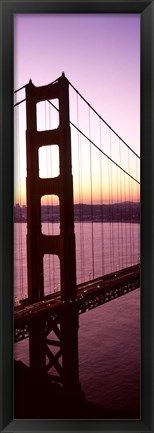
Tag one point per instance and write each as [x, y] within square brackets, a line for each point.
[100, 55]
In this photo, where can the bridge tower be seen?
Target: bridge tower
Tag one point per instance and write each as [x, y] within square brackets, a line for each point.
[65, 325]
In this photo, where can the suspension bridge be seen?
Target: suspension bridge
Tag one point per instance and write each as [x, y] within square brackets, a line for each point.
[77, 238]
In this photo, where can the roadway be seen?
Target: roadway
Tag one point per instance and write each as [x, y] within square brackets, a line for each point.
[103, 288]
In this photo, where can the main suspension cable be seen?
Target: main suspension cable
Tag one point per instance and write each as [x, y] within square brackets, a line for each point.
[95, 145]
[90, 106]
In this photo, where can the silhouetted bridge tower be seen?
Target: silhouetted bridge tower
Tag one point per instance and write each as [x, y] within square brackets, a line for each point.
[65, 324]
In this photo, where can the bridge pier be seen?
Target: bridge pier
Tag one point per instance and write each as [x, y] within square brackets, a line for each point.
[69, 329]
[37, 345]
[42, 346]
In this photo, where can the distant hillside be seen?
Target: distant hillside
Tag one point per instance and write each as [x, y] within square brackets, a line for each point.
[125, 211]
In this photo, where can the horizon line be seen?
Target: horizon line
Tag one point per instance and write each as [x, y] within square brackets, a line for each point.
[83, 204]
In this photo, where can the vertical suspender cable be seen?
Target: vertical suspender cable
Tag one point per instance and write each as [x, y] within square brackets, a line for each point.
[91, 190]
[132, 199]
[112, 231]
[110, 211]
[101, 203]
[125, 220]
[81, 214]
[80, 198]
[122, 245]
[130, 216]
[118, 257]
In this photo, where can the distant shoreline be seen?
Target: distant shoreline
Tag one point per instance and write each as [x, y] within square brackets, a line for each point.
[117, 212]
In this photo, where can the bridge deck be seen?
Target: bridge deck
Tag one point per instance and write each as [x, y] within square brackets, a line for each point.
[89, 295]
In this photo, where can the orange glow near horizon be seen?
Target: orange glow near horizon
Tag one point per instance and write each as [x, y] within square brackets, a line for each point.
[54, 200]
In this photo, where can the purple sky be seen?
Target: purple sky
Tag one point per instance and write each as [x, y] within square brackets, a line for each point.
[100, 55]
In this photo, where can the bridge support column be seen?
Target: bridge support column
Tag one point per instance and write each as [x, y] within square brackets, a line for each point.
[62, 245]
[69, 328]
[37, 347]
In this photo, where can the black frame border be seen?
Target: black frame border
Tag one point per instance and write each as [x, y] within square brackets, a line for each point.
[7, 10]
